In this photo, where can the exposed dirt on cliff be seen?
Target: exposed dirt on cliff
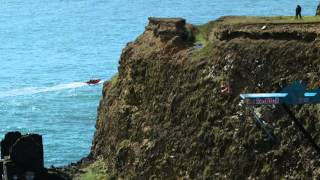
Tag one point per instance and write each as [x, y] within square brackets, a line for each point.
[164, 115]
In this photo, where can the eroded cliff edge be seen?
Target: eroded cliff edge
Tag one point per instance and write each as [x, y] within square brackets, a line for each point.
[164, 115]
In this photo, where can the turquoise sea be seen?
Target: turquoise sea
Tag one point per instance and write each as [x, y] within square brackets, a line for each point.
[49, 47]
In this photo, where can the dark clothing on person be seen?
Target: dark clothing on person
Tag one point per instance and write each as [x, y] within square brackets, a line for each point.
[298, 12]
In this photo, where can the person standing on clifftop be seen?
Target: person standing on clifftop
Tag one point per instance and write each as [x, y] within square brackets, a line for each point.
[298, 12]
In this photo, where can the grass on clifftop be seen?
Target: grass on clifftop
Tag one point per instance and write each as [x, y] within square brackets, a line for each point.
[268, 20]
[202, 31]
[202, 36]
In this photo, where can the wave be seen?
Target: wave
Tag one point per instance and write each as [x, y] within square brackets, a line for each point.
[35, 90]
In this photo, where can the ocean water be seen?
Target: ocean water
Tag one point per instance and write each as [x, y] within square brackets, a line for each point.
[48, 48]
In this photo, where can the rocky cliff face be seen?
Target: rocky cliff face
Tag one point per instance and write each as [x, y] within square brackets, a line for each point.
[165, 116]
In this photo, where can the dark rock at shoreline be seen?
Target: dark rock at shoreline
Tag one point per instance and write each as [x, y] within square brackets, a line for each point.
[8, 141]
[23, 156]
[27, 153]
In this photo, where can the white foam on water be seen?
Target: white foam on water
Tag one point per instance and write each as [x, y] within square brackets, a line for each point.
[35, 90]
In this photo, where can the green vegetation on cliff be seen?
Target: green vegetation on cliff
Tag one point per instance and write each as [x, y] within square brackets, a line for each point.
[95, 171]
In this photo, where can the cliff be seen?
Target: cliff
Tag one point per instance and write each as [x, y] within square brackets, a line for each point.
[164, 115]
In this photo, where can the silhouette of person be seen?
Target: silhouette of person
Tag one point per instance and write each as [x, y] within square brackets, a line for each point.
[298, 12]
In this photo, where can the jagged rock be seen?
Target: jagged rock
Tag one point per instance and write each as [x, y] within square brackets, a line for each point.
[27, 153]
[8, 141]
[23, 156]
